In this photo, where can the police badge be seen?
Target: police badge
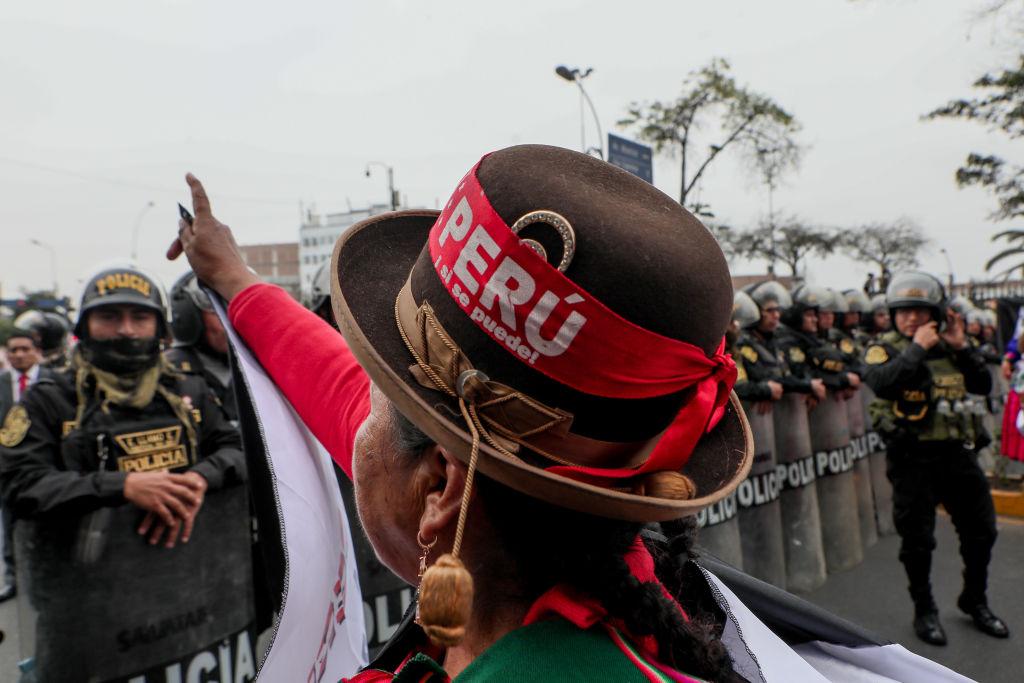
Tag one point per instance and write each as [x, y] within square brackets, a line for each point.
[15, 427]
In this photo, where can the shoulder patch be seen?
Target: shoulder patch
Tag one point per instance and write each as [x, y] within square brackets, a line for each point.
[876, 355]
[796, 354]
[15, 427]
[749, 353]
[846, 346]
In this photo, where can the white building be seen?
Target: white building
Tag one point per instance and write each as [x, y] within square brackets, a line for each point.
[317, 236]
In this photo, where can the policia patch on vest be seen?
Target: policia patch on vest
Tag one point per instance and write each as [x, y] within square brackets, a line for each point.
[154, 450]
[876, 355]
[796, 354]
[15, 427]
[846, 346]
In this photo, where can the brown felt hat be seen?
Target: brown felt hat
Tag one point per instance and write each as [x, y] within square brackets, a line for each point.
[656, 271]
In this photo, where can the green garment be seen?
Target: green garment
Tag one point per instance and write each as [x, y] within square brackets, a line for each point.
[552, 651]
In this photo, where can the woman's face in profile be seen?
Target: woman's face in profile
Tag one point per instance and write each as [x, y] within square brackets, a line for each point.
[385, 497]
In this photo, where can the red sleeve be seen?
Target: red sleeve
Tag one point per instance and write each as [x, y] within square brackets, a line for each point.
[309, 362]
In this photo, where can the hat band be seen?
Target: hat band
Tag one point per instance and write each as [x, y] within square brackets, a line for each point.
[533, 311]
[511, 418]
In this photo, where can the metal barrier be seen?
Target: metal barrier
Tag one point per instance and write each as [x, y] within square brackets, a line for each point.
[98, 603]
[862, 470]
[798, 497]
[881, 487]
[760, 518]
[837, 496]
[719, 532]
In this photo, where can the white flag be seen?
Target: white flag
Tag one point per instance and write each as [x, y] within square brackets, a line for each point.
[319, 634]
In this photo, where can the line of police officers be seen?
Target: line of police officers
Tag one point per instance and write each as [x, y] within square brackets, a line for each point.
[124, 421]
[911, 347]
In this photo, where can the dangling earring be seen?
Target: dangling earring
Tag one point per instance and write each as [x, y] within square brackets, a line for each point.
[425, 547]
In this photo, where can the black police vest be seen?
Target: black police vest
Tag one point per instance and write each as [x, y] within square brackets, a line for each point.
[761, 360]
[149, 439]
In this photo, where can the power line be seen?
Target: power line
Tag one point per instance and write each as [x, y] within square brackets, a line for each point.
[136, 185]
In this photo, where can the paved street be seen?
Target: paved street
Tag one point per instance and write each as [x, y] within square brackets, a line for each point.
[874, 595]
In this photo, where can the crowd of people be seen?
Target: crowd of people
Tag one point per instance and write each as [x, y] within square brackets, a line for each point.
[601, 419]
[929, 362]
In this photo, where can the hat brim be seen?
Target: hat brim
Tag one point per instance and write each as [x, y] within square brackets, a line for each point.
[370, 264]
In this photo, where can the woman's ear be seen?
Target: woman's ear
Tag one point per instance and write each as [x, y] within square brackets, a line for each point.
[445, 478]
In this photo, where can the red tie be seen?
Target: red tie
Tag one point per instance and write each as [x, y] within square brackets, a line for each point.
[22, 383]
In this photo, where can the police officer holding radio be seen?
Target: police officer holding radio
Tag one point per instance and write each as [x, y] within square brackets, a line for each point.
[922, 371]
[119, 424]
[200, 341]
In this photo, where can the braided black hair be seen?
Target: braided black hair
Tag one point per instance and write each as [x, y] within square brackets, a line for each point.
[552, 545]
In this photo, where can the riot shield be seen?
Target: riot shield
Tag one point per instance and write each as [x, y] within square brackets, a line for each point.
[103, 605]
[881, 487]
[385, 596]
[798, 498]
[719, 531]
[837, 496]
[760, 520]
[862, 470]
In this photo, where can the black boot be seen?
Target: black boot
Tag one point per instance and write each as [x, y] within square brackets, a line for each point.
[977, 609]
[927, 625]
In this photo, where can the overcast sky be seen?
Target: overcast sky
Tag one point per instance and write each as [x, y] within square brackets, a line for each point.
[106, 104]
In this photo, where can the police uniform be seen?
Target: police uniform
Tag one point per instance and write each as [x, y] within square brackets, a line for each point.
[74, 438]
[923, 412]
[764, 362]
[808, 356]
[190, 353]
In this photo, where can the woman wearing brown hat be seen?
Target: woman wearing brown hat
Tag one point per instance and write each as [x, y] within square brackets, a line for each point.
[525, 380]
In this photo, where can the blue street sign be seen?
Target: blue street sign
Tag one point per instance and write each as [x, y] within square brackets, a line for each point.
[630, 156]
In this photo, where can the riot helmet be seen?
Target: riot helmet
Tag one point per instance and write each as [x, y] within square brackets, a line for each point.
[125, 285]
[879, 303]
[976, 316]
[321, 290]
[50, 329]
[805, 298]
[769, 290]
[915, 289]
[188, 301]
[744, 311]
[857, 301]
[834, 302]
[961, 305]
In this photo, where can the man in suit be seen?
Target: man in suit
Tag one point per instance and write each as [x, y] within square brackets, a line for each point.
[24, 355]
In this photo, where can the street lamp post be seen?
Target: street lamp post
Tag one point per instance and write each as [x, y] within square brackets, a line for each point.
[135, 230]
[949, 265]
[392, 194]
[576, 76]
[53, 262]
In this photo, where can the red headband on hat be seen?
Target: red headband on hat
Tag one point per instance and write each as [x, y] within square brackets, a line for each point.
[542, 317]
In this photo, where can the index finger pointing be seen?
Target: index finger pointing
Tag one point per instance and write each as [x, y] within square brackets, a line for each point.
[200, 201]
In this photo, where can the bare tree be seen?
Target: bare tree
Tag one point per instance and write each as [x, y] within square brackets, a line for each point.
[789, 240]
[890, 246]
[711, 99]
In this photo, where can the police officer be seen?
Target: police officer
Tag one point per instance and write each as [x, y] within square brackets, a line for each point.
[922, 372]
[51, 329]
[808, 355]
[766, 369]
[837, 333]
[119, 423]
[200, 342]
[878, 321]
[858, 311]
